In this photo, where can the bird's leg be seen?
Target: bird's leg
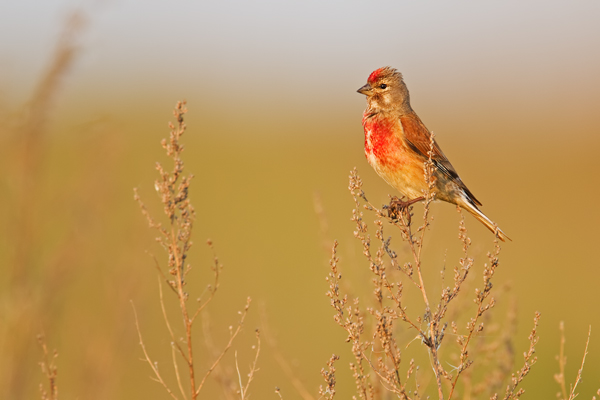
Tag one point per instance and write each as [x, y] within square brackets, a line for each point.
[413, 201]
[398, 207]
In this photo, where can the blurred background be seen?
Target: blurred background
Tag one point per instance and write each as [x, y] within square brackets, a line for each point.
[510, 88]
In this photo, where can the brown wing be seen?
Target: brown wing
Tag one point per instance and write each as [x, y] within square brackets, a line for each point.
[418, 139]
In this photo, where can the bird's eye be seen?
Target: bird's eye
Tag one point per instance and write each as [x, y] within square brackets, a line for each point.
[383, 86]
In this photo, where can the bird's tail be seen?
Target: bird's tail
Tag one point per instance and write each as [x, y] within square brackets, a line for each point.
[470, 207]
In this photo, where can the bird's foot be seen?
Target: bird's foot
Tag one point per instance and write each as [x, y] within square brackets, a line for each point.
[398, 207]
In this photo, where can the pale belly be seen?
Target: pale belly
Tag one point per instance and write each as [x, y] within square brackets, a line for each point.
[398, 167]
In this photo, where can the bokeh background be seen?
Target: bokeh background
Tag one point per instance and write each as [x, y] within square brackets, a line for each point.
[510, 88]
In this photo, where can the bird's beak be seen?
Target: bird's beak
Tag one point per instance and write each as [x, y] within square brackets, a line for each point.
[366, 90]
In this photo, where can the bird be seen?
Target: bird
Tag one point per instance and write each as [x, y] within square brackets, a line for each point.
[397, 146]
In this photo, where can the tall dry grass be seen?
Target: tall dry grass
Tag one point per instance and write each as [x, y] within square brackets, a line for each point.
[463, 352]
[175, 237]
[27, 285]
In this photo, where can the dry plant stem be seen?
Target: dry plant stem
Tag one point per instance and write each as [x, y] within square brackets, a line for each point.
[32, 133]
[433, 324]
[517, 377]
[435, 334]
[253, 369]
[329, 376]
[237, 368]
[497, 354]
[278, 392]
[353, 324]
[173, 189]
[216, 268]
[179, 230]
[153, 365]
[187, 321]
[174, 341]
[232, 336]
[572, 394]
[176, 367]
[49, 369]
[28, 278]
[473, 326]
[562, 361]
[380, 352]
[385, 315]
[220, 374]
[358, 193]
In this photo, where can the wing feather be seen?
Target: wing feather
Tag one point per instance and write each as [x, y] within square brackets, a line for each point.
[418, 138]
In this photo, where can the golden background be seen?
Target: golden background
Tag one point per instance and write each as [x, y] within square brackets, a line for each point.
[510, 89]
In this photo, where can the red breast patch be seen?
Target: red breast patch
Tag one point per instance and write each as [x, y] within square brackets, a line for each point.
[381, 145]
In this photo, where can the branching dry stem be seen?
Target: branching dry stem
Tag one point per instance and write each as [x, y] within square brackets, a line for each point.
[173, 188]
[377, 356]
[49, 369]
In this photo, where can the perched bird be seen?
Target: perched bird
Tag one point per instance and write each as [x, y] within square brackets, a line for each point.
[397, 145]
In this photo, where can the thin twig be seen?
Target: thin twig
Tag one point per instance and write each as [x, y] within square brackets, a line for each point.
[48, 365]
[254, 367]
[237, 368]
[164, 312]
[227, 347]
[153, 365]
[562, 361]
[177, 375]
[572, 395]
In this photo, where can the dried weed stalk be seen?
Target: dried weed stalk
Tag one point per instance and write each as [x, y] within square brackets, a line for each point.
[517, 377]
[373, 329]
[31, 145]
[562, 362]
[49, 369]
[175, 238]
[329, 376]
[29, 283]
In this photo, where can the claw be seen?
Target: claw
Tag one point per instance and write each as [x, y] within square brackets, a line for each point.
[398, 207]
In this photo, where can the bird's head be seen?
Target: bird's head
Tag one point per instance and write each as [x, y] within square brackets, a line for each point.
[386, 91]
